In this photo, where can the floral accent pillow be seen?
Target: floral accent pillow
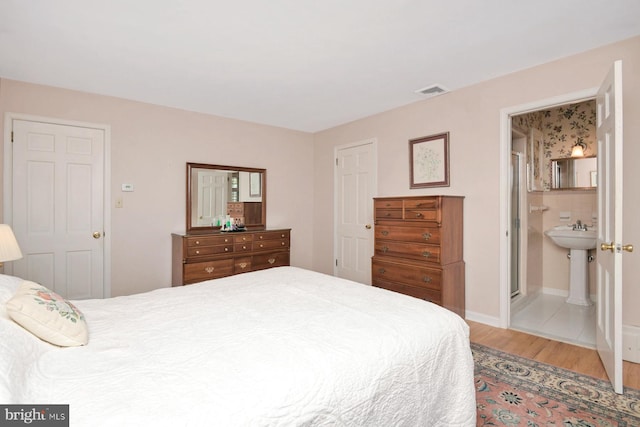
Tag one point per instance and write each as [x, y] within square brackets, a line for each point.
[47, 315]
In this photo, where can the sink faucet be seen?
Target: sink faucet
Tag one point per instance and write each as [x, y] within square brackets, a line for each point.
[579, 226]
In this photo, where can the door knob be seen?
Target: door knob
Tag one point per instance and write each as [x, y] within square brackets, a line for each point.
[96, 234]
[368, 226]
[607, 247]
[611, 247]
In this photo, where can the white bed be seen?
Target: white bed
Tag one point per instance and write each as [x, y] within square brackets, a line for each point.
[279, 347]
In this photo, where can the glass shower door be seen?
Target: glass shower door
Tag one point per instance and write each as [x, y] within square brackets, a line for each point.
[514, 232]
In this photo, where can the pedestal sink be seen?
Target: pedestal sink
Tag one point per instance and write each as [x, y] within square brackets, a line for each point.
[578, 242]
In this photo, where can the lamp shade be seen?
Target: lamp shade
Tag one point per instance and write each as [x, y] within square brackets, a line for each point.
[577, 151]
[9, 249]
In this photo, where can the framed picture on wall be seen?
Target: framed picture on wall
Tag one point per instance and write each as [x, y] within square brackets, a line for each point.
[255, 184]
[429, 161]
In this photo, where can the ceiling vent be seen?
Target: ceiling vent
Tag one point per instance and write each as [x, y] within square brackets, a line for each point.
[433, 90]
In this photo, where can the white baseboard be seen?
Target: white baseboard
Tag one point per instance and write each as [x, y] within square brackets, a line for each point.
[482, 318]
[631, 343]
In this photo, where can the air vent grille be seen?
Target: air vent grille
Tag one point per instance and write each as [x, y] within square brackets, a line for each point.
[432, 90]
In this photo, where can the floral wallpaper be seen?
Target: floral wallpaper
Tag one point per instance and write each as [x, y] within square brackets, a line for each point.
[562, 127]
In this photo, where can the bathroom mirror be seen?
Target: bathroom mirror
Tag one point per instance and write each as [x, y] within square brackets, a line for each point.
[215, 191]
[574, 173]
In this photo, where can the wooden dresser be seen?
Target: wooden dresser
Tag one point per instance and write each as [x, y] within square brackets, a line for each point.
[199, 257]
[245, 212]
[418, 248]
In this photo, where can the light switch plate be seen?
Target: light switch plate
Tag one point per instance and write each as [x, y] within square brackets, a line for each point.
[127, 187]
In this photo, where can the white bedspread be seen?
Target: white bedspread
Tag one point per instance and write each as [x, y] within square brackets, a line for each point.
[280, 347]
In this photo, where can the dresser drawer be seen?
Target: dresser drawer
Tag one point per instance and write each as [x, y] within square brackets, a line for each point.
[241, 237]
[387, 204]
[208, 240]
[267, 245]
[417, 251]
[388, 214]
[429, 203]
[271, 235]
[429, 235]
[200, 271]
[274, 259]
[415, 214]
[235, 209]
[407, 274]
[242, 247]
[422, 293]
[209, 250]
[242, 265]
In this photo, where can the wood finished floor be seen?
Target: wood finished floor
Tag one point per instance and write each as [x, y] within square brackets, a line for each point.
[575, 358]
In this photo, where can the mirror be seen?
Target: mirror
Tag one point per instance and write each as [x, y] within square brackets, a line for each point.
[215, 191]
[574, 172]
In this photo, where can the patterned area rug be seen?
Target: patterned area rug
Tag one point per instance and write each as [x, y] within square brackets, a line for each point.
[514, 391]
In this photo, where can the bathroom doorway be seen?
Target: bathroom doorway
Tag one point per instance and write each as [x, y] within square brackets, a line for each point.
[539, 269]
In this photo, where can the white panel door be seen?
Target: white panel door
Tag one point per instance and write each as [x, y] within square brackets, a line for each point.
[58, 206]
[355, 184]
[609, 258]
[212, 197]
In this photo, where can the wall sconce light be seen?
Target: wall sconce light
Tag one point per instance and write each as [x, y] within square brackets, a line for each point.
[9, 249]
[578, 149]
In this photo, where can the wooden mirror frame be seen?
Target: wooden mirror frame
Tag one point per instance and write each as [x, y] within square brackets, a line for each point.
[195, 229]
[570, 165]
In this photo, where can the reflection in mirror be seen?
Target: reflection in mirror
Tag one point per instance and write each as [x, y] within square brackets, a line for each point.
[215, 191]
[568, 173]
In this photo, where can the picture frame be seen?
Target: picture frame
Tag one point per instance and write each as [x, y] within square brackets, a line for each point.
[429, 161]
[255, 184]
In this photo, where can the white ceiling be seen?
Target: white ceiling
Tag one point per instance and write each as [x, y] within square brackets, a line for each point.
[299, 64]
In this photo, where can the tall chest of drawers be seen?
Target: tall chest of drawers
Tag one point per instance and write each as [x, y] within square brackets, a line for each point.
[418, 248]
[199, 257]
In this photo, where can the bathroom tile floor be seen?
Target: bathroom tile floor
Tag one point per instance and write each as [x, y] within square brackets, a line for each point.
[551, 317]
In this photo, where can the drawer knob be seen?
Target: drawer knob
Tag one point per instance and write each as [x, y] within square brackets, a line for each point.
[419, 215]
[385, 232]
[271, 260]
[426, 254]
[244, 248]
[209, 269]
[242, 264]
[197, 242]
[226, 249]
[385, 249]
[197, 252]
[282, 243]
[382, 270]
[261, 245]
[427, 279]
[388, 214]
[426, 236]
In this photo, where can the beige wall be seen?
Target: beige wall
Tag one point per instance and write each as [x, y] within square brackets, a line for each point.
[472, 116]
[150, 146]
